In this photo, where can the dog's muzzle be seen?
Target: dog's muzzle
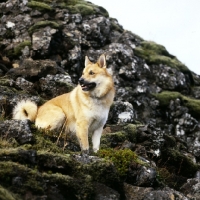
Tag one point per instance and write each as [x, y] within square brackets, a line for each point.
[85, 85]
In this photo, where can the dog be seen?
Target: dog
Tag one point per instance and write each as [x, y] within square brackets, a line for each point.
[84, 110]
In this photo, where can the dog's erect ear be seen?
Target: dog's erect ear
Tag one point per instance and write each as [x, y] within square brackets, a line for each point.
[87, 61]
[102, 61]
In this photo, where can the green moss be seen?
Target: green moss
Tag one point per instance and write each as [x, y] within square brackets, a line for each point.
[5, 81]
[182, 164]
[81, 8]
[84, 8]
[169, 178]
[157, 54]
[31, 178]
[43, 142]
[113, 139]
[7, 195]
[156, 48]
[131, 130]
[17, 50]
[39, 6]
[103, 11]
[7, 90]
[121, 159]
[56, 161]
[41, 24]
[7, 143]
[192, 104]
[115, 26]
[166, 96]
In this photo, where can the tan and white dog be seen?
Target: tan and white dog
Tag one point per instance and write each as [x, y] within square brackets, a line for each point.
[84, 110]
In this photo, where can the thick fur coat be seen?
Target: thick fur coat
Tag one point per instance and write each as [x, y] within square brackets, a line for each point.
[84, 110]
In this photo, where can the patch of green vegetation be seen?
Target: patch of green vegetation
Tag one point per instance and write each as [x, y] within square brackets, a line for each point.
[84, 8]
[169, 178]
[56, 161]
[7, 195]
[81, 8]
[131, 130]
[182, 164]
[192, 104]
[42, 24]
[166, 96]
[5, 81]
[31, 178]
[128, 132]
[7, 90]
[157, 54]
[103, 11]
[120, 158]
[44, 143]
[115, 26]
[39, 6]
[113, 139]
[8, 143]
[17, 50]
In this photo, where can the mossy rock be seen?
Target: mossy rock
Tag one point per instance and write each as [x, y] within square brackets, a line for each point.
[63, 163]
[120, 158]
[20, 179]
[82, 9]
[39, 6]
[6, 90]
[42, 24]
[168, 178]
[17, 50]
[192, 104]
[180, 164]
[102, 171]
[157, 54]
[113, 139]
[7, 195]
[131, 130]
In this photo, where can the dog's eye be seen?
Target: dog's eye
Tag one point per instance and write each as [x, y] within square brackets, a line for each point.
[91, 73]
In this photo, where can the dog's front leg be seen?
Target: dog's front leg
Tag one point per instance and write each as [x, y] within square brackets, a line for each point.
[96, 138]
[82, 135]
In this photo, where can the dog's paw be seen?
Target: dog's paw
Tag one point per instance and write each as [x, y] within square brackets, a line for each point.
[85, 153]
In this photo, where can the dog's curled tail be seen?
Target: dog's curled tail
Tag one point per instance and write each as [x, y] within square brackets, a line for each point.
[25, 109]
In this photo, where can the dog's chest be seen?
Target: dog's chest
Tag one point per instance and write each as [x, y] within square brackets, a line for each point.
[98, 116]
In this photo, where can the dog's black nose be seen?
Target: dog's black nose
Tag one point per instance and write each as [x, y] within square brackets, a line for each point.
[81, 80]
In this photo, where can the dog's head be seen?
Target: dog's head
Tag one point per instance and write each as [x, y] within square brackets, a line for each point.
[94, 74]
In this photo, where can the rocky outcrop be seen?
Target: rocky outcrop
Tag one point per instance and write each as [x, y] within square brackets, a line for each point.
[150, 148]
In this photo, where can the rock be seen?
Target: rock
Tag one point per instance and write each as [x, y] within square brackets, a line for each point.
[105, 193]
[34, 68]
[54, 85]
[122, 112]
[141, 176]
[165, 194]
[136, 193]
[191, 189]
[18, 129]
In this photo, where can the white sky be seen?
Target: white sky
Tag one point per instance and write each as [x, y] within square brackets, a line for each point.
[174, 24]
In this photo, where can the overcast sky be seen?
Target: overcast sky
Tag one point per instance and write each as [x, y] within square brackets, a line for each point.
[172, 23]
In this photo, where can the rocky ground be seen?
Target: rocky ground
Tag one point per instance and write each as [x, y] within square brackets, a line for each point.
[150, 148]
